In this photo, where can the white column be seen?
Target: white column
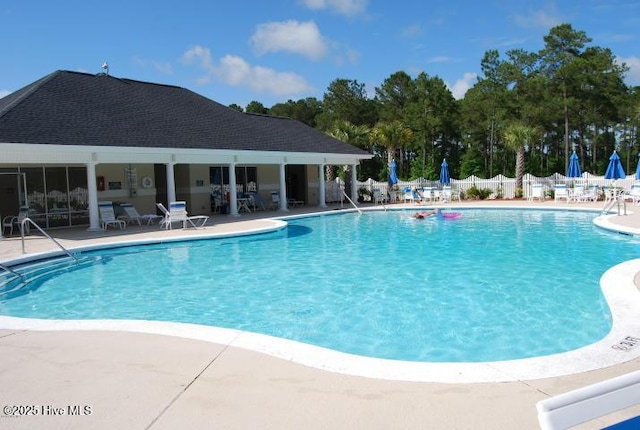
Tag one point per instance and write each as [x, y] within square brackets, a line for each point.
[233, 192]
[171, 183]
[321, 187]
[283, 189]
[354, 186]
[92, 190]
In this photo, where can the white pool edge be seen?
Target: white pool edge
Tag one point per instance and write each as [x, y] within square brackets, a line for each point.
[617, 285]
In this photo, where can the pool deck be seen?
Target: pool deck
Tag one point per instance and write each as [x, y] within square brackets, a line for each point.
[150, 381]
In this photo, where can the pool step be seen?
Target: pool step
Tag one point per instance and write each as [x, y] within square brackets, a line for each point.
[31, 272]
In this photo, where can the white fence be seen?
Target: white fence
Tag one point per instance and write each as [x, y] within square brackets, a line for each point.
[503, 187]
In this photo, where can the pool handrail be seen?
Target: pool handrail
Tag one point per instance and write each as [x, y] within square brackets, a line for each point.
[354, 205]
[29, 220]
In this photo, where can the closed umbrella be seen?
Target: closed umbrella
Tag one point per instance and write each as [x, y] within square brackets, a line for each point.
[444, 172]
[615, 169]
[574, 166]
[393, 175]
[638, 169]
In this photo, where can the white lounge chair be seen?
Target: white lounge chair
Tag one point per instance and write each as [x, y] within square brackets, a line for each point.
[178, 213]
[561, 192]
[537, 192]
[108, 216]
[593, 401]
[132, 215]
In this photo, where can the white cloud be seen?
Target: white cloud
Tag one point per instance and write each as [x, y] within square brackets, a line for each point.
[345, 7]
[302, 38]
[460, 87]
[545, 18]
[237, 72]
[633, 75]
[4, 93]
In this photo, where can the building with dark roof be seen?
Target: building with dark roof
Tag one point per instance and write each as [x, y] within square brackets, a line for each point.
[71, 139]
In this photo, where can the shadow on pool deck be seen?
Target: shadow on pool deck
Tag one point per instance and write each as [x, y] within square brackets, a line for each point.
[145, 381]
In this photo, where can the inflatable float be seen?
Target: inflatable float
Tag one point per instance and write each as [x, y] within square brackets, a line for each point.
[437, 214]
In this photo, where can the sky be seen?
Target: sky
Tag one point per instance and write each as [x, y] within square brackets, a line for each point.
[272, 51]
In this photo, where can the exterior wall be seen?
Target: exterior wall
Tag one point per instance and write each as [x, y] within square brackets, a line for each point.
[144, 199]
[312, 184]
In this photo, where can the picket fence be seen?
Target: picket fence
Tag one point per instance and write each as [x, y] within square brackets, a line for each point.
[500, 186]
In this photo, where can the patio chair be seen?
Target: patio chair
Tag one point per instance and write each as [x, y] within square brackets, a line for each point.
[591, 194]
[593, 401]
[275, 200]
[536, 193]
[578, 193]
[178, 213]
[15, 221]
[561, 192]
[378, 197]
[108, 216]
[132, 215]
[633, 194]
[256, 201]
[409, 195]
[293, 203]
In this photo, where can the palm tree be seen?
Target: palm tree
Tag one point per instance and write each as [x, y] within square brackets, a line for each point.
[517, 137]
[393, 136]
[356, 135]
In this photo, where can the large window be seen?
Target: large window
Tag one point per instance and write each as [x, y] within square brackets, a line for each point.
[57, 196]
[246, 180]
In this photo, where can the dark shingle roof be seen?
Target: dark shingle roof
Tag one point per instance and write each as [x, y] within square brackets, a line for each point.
[70, 108]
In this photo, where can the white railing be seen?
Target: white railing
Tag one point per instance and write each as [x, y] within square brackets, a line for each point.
[504, 187]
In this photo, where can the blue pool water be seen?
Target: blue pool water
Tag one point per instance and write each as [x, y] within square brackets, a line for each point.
[491, 285]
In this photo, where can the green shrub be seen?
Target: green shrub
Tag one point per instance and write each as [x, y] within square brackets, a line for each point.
[478, 193]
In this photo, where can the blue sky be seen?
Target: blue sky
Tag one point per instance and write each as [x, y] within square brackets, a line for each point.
[275, 50]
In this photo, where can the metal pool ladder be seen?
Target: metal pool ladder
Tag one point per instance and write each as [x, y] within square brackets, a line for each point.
[30, 221]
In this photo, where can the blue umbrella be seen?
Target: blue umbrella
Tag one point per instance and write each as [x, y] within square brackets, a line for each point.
[615, 169]
[638, 169]
[393, 175]
[444, 172]
[574, 166]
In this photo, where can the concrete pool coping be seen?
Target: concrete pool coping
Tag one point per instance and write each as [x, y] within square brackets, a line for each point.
[136, 380]
[617, 284]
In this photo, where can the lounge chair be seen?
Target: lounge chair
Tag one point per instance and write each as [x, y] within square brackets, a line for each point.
[536, 193]
[108, 216]
[178, 213]
[132, 215]
[561, 192]
[588, 403]
[15, 221]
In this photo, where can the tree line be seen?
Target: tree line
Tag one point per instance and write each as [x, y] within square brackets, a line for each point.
[527, 112]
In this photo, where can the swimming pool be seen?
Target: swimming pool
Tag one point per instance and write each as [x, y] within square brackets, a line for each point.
[492, 285]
